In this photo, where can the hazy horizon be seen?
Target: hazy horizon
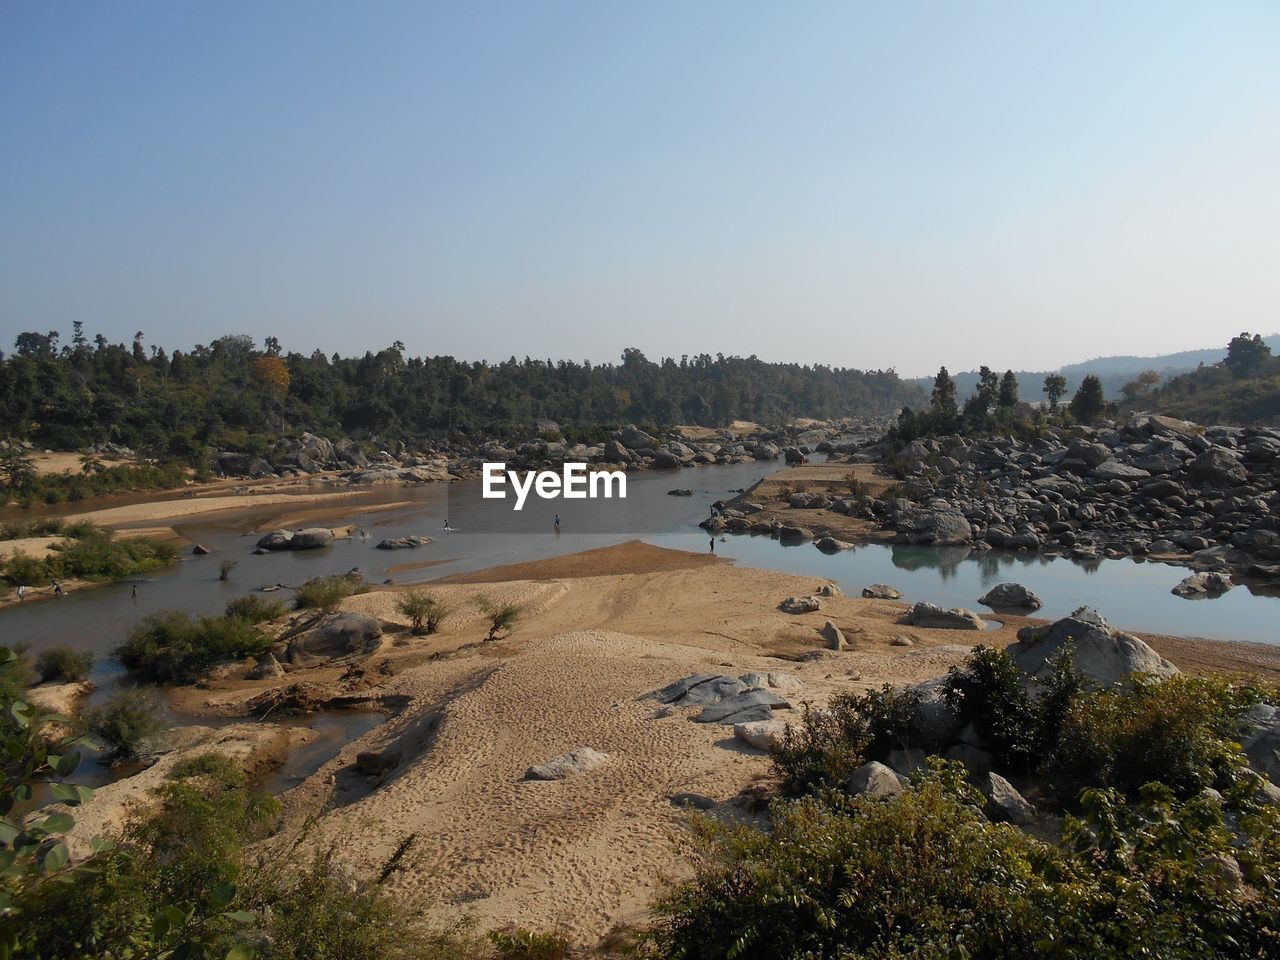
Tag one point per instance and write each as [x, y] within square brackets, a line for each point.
[857, 186]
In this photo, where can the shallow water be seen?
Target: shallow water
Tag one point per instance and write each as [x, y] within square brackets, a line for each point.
[1131, 595]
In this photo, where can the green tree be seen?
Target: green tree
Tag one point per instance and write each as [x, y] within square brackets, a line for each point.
[1055, 385]
[17, 470]
[1245, 354]
[942, 402]
[1088, 403]
[1009, 390]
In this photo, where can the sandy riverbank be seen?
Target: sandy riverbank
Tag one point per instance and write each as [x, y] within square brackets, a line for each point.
[773, 494]
[600, 630]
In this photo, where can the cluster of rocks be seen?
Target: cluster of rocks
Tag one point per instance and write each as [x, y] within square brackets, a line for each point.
[309, 538]
[1206, 497]
[336, 638]
[627, 449]
[728, 700]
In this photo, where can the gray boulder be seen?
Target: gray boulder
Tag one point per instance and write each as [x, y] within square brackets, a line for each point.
[832, 545]
[1261, 739]
[931, 615]
[1104, 655]
[634, 438]
[761, 734]
[907, 762]
[935, 525]
[834, 637]
[699, 690]
[267, 667]
[1004, 803]
[404, 543]
[743, 707]
[312, 538]
[567, 764]
[340, 637]
[874, 779]
[1012, 595]
[1115, 470]
[276, 540]
[1220, 467]
[1207, 584]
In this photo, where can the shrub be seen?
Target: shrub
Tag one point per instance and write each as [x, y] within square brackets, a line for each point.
[924, 875]
[225, 568]
[502, 618]
[830, 744]
[256, 609]
[529, 945]
[325, 593]
[127, 722]
[91, 554]
[214, 766]
[171, 647]
[424, 611]
[63, 665]
[1178, 732]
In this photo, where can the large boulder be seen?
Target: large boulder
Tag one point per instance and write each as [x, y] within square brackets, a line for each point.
[931, 615]
[761, 734]
[874, 779]
[699, 690]
[1011, 595]
[744, 707]
[1115, 470]
[1220, 467]
[404, 543]
[833, 635]
[276, 540]
[342, 636]
[633, 438]
[1004, 803]
[1104, 655]
[312, 538]
[267, 668]
[881, 591]
[937, 525]
[567, 764]
[936, 722]
[1261, 739]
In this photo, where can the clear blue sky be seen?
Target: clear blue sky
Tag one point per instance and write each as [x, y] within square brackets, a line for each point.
[863, 184]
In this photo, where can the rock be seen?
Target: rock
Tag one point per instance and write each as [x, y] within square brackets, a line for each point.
[200, 550]
[793, 455]
[937, 722]
[743, 707]
[1115, 470]
[1208, 584]
[1004, 803]
[1092, 454]
[930, 615]
[835, 639]
[1012, 595]
[935, 525]
[874, 779]
[276, 540]
[634, 438]
[374, 763]
[907, 762]
[794, 534]
[799, 605]
[881, 591]
[829, 590]
[680, 492]
[1219, 467]
[832, 545]
[341, 636]
[1104, 655]
[902, 642]
[266, 668]
[404, 543]
[567, 764]
[776, 681]
[699, 690]
[761, 734]
[1261, 739]
[976, 760]
[312, 538]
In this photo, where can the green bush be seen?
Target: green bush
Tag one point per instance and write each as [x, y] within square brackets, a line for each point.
[925, 875]
[325, 593]
[1179, 732]
[91, 554]
[63, 665]
[502, 617]
[127, 722]
[214, 766]
[172, 647]
[529, 945]
[424, 611]
[830, 744]
[256, 609]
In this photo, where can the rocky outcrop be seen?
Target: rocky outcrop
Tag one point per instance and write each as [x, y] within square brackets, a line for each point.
[930, 615]
[833, 635]
[404, 543]
[799, 605]
[311, 538]
[1104, 655]
[341, 636]
[743, 707]
[1208, 584]
[761, 734]
[874, 779]
[880, 591]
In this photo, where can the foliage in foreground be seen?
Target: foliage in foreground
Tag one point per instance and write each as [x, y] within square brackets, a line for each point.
[925, 875]
[128, 722]
[174, 647]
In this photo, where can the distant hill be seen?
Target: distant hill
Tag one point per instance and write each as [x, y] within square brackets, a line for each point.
[1114, 372]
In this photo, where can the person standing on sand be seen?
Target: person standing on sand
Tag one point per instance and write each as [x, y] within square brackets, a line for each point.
[713, 544]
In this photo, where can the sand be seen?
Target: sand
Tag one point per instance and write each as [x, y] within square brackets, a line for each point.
[773, 493]
[36, 547]
[179, 509]
[583, 855]
[50, 463]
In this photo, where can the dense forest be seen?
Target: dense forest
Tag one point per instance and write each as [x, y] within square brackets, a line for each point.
[232, 394]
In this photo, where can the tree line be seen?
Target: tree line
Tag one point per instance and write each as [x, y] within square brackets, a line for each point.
[233, 394]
